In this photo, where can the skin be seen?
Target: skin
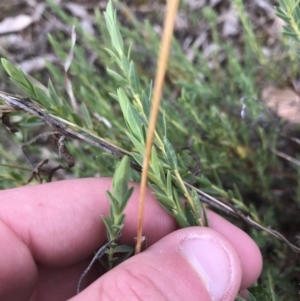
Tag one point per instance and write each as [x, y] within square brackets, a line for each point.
[49, 232]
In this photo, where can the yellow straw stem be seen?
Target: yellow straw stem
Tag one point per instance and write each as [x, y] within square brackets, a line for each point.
[172, 6]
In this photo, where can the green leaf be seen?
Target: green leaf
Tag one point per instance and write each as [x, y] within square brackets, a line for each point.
[154, 162]
[134, 78]
[55, 100]
[126, 198]
[75, 118]
[204, 181]
[120, 179]
[125, 64]
[298, 54]
[178, 203]
[117, 40]
[29, 92]
[283, 17]
[170, 154]
[125, 256]
[124, 102]
[140, 147]
[134, 123]
[123, 249]
[130, 115]
[114, 56]
[41, 96]
[110, 9]
[17, 75]
[283, 4]
[189, 214]
[129, 50]
[290, 34]
[196, 203]
[169, 184]
[115, 75]
[115, 35]
[145, 104]
[114, 96]
[166, 202]
[217, 179]
[87, 116]
[296, 12]
[237, 193]
[156, 180]
[108, 227]
[114, 202]
[138, 158]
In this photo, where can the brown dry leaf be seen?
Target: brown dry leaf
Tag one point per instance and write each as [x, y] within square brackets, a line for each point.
[265, 5]
[37, 63]
[231, 25]
[275, 30]
[77, 10]
[285, 102]
[15, 24]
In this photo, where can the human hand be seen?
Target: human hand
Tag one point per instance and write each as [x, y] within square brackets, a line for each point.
[49, 231]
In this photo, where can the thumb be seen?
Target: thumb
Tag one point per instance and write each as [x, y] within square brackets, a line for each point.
[189, 264]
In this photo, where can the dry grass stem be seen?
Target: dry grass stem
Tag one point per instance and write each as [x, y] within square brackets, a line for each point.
[172, 7]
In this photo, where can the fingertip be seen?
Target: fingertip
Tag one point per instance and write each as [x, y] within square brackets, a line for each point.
[18, 269]
[188, 264]
[248, 251]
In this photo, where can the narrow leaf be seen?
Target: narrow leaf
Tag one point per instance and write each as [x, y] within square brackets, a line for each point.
[115, 75]
[41, 96]
[145, 104]
[114, 56]
[120, 179]
[134, 78]
[154, 162]
[129, 51]
[16, 74]
[134, 123]
[138, 158]
[165, 201]
[55, 100]
[169, 184]
[156, 180]
[124, 101]
[125, 64]
[136, 143]
[112, 199]
[219, 183]
[237, 193]
[170, 154]
[86, 116]
[126, 198]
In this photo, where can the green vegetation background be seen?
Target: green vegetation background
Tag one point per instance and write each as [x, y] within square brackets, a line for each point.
[202, 104]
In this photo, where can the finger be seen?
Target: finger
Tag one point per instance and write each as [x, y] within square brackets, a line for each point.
[18, 272]
[247, 249]
[58, 224]
[189, 264]
[61, 222]
[61, 283]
